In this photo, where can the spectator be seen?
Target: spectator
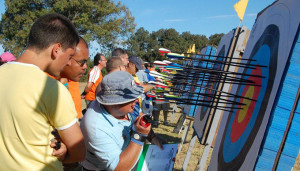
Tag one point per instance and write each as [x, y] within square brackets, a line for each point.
[32, 104]
[114, 140]
[141, 74]
[6, 57]
[149, 67]
[122, 54]
[94, 79]
[73, 72]
[160, 105]
[115, 64]
[135, 64]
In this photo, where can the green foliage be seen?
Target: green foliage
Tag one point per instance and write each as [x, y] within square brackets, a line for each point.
[215, 39]
[101, 20]
[146, 45]
[200, 41]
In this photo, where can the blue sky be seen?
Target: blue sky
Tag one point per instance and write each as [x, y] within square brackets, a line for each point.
[204, 17]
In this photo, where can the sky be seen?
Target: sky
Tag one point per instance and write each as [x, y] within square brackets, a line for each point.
[204, 17]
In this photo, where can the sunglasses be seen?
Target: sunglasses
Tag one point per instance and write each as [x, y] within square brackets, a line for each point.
[81, 63]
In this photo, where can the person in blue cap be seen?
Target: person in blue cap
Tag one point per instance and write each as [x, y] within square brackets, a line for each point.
[113, 139]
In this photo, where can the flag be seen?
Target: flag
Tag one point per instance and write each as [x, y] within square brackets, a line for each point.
[189, 50]
[193, 49]
[240, 8]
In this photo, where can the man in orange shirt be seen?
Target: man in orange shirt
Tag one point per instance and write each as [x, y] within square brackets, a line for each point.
[95, 78]
[73, 72]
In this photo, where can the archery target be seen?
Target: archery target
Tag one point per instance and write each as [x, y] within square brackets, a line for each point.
[208, 51]
[202, 112]
[243, 124]
[195, 89]
[241, 131]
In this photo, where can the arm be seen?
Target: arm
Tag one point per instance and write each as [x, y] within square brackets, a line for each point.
[130, 155]
[98, 89]
[154, 139]
[147, 87]
[86, 89]
[73, 139]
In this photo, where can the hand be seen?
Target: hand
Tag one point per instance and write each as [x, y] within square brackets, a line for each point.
[153, 91]
[158, 141]
[55, 133]
[82, 96]
[61, 152]
[139, 128]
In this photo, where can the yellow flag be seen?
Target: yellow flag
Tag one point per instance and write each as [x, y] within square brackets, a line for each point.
[193, 49]
[189, 50]
[240, 8]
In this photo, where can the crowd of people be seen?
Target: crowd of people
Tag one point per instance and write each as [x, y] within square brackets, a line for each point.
[41, 123]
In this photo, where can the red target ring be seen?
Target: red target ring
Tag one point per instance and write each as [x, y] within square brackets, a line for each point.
[243, 115]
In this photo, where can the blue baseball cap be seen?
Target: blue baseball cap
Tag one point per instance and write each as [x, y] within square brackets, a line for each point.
[137, 61]
[118, 87]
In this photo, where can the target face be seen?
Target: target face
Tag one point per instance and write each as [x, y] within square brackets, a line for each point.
[212, 85]
[243, 124]
[203, 111]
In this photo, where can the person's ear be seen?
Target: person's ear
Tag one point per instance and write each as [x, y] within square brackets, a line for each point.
[56, 50]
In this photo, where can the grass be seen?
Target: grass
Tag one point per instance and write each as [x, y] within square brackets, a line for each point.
[166, 132]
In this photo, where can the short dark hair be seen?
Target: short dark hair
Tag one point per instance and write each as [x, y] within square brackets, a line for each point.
[146, 65]
[113, 63]
[52, 28]
[118, 52]
[97, 58]
[82, 39]
[151, 65]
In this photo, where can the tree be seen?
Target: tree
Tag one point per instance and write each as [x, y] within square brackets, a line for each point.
[215, 39]
[200, 41]
[101, 20]
[146, 45]
[138, 42]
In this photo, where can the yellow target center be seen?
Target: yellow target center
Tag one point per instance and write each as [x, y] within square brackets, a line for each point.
[244, 110]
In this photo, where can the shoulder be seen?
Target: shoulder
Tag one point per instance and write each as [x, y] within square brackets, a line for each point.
[95, 71]
[94, 119]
